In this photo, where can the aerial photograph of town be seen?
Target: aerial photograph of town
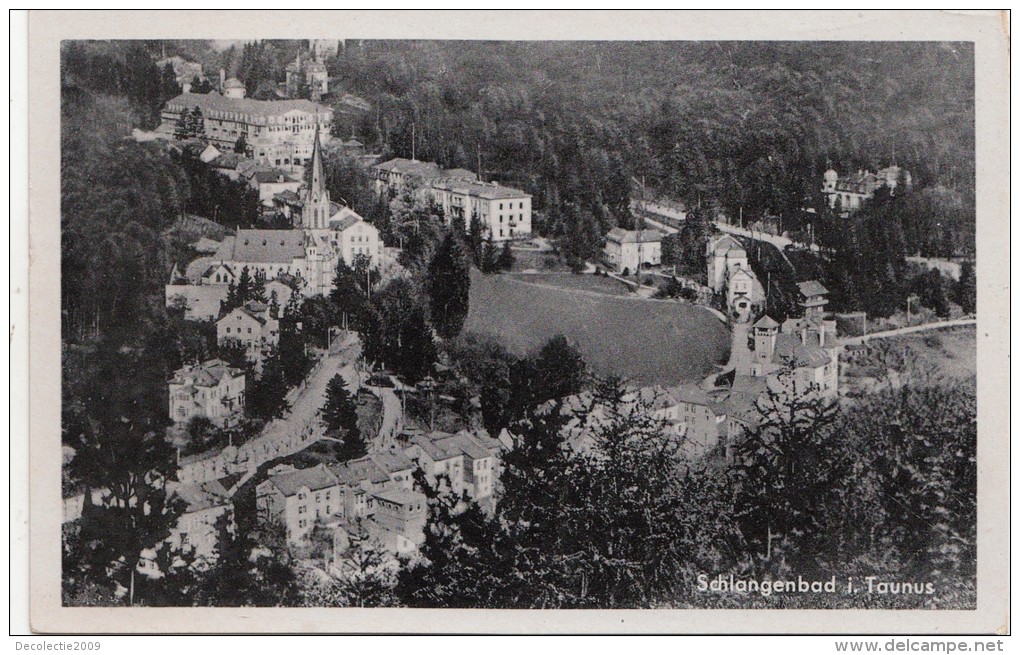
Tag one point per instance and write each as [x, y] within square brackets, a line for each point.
[518, 324]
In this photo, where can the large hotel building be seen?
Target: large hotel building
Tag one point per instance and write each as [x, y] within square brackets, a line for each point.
[276, 132]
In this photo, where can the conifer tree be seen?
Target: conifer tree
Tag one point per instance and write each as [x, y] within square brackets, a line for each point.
[448, 287]
[339, 413]
[506, 257]
[258, 287]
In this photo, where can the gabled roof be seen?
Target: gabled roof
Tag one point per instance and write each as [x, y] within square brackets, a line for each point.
[265, 246]
[487, 190]
[289, 197]
[620, 235]
[790, 349]
[725, 243]
[433, 449]
[425, 169]
[228, 160]
[207, 374]
[342, 220]
[812, 288]
[213, 102]
[202, 299]
[400, 497]
[315, 478]
[356, 471]
[392, 461]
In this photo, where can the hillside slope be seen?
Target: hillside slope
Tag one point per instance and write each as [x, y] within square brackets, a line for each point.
[651, 342]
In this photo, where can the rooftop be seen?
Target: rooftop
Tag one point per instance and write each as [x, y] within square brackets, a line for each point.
[207, 374]
[487, 190]
[790, 349]
[263, 108]
[313, 479]
[620, 235]
[263, 246]
[812, 288]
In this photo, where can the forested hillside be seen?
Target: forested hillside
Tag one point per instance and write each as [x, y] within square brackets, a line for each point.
[741, 124]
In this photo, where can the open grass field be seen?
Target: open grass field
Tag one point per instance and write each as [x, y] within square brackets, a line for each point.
[648, 341]
[589, 282]
[538, 260]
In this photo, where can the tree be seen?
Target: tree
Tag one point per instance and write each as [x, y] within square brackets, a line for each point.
[339, 413]
[448, 286]
[266, 395]
[244, 287]
[129, 466]
[366, 579]
[559, 370]
[258, 287]
[254, 569]
[506, 257]
[366, 275]
[785, 470]
[475, 237]
[292, 355]
[489, 260]
[241, 145]
[348, 296]
[965, 289]
[169, 88]
[930, 287]
[397, 332]
[202, 86]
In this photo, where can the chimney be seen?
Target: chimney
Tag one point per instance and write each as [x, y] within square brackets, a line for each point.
[803, 336]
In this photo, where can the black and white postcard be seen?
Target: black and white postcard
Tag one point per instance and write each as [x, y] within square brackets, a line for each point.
[678, 318]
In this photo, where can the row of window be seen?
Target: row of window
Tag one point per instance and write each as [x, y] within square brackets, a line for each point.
[510, 205]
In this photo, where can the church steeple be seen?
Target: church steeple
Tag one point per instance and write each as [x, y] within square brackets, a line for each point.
[317, 185]
[315, 213]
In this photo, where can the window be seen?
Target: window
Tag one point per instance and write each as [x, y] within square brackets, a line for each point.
[501, 205]
[249, 330]
[301, 510]
[302, 523]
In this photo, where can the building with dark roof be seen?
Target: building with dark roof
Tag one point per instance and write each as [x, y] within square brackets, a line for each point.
[211, 389]
[504, 212]
[250, 326]
[801, 347]
[632, 250]
[276, 132]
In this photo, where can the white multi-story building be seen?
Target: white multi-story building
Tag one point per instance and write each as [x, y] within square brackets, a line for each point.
[276, 132]
[504, 212]
[631, 250]
[850, 192]
[211, 389]
[378, 489]
[251, 326]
